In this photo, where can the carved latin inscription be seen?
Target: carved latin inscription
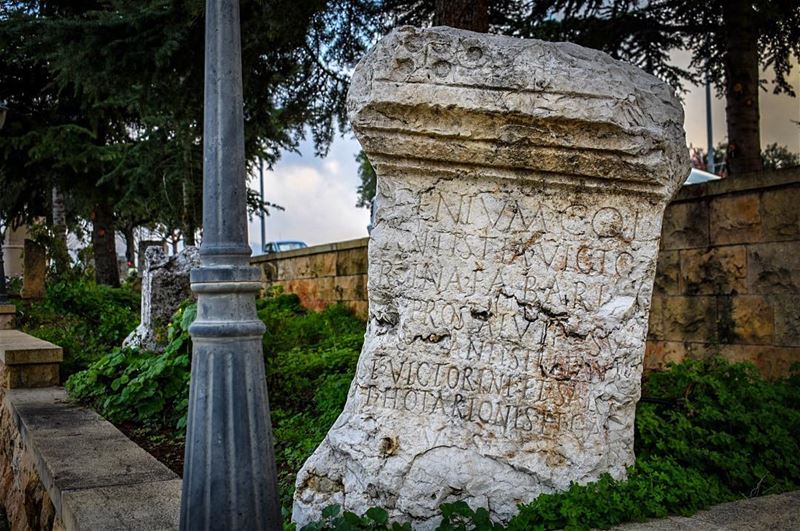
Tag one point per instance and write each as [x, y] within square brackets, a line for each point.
[521, 187]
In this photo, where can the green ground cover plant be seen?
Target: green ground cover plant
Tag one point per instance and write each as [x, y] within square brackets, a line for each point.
[86, 319]
[706, 431]
[310, 360]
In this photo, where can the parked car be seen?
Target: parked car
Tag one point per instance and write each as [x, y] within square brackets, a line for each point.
[283, 246]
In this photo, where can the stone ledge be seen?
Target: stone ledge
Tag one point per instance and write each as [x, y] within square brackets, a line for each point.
[315, 249]
[152, 506]
[95, 477]
[779, 511]
[742, 183]
[19, 348]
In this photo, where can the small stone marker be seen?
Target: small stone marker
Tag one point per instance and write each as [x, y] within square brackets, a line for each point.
[7, 313]
[34, 271]
[165, 285]
[142, 254]
[521, 189]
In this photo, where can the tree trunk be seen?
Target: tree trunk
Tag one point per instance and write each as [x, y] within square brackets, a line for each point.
[130, 244]
[188, 212]
[60, 254]
[105, 251]
[463, 14]
[741, 87]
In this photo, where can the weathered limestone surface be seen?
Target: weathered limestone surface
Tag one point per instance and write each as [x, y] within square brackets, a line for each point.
[165, 285]
[521, 190]
[142, 252]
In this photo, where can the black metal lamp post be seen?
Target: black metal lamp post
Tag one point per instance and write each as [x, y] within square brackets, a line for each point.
[229, 480]
[3, 287]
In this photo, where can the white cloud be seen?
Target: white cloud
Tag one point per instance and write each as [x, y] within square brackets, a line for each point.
[319, 196]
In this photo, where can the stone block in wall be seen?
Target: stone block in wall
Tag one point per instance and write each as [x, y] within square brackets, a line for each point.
[685, 226]
[34, 271]
[718, 270]
[323, 264]
[655, 324]
[735, 219]
[780, 213]
[773, 268]
[314, 293]
[269, 271]
[689, 318]
[26, 376]
[658, 354]
[771, 361]
[351, 287]
[668, 270]
[290, 269]
[745, 319]
[351, 262]
[787, 319]
[360, 308]
[309, 266]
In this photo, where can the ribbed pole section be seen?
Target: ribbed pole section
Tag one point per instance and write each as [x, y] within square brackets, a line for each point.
[229, 479]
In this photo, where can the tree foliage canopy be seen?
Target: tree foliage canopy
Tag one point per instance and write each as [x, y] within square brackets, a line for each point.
[106, 97]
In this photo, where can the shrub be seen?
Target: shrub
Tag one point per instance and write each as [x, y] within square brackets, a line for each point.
[310, 360]
[149, 389]
[86, 319]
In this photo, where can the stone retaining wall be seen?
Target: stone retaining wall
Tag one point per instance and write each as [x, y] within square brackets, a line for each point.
[22, 494]
[321, 275]
[728, 278]
[63, 467]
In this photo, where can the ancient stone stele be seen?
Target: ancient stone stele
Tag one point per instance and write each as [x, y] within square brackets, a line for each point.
[521, 189]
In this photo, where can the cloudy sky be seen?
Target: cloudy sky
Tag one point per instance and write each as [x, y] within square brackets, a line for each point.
[319, 195]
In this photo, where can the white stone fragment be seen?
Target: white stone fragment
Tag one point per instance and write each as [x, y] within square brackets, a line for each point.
[165, 285]
[521, 189]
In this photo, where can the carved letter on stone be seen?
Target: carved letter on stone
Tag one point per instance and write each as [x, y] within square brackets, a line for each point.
[521, 189]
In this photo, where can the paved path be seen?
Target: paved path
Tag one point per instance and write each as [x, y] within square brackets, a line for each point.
[780, 512]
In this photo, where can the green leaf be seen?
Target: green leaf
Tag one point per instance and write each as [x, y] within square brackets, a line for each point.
[377, 515]
[331, 511]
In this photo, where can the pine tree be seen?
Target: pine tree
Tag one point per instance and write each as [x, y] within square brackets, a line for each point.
[729, 41]
[106, 100]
